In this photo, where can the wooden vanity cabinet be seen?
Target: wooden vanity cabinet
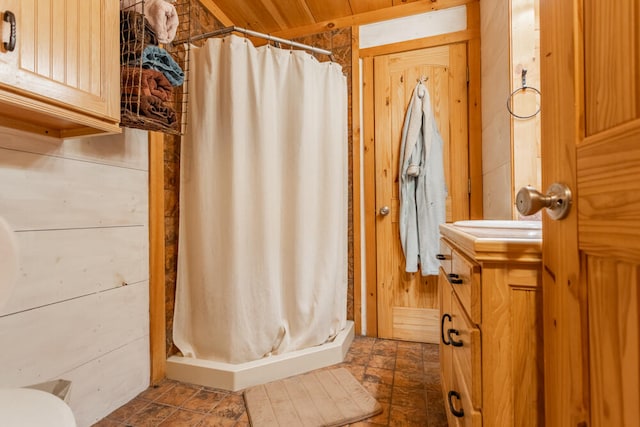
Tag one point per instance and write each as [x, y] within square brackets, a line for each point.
[491, 329]
[62, 77]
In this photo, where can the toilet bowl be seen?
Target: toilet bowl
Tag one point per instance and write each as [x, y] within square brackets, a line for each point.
[26, 407]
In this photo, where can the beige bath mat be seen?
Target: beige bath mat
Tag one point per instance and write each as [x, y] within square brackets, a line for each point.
[320, 398]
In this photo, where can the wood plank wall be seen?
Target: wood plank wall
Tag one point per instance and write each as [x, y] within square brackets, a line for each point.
[511, 146]
[525, 54]
[496, 125]
[79, 310]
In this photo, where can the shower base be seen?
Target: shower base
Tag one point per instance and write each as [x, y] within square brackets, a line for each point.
[235, 377]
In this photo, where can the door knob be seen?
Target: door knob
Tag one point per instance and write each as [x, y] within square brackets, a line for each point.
[384, 211]
[557, 201]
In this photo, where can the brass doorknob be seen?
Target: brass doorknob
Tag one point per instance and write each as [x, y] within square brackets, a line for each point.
[557, 201]
[385, 210]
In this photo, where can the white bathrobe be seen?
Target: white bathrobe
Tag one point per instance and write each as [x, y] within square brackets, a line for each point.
[422, 187]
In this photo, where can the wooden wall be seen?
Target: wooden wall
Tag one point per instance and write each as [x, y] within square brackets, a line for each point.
[496, 124]
[525, 54]
[511, 146]
[79, 310]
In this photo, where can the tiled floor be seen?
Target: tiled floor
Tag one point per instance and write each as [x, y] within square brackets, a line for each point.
[403, 376]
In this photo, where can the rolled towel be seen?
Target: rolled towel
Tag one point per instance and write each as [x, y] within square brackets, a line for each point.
[147, 81]
[135, 34]
[133, 120]
[162, 16]
[149, 106]
[156, 58]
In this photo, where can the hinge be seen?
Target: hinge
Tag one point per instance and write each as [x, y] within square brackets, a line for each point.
[469, 186]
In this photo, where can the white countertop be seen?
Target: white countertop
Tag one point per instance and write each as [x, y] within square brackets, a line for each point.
[490, 240]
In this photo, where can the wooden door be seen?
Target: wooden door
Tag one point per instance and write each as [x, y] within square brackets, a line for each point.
[590, 54]
[408, 302]
[67, 52]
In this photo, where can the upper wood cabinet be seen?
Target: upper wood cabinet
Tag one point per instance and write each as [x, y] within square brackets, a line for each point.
[62, 77]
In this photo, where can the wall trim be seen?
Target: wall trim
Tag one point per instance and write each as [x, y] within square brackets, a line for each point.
[391, 12]
[157, 315]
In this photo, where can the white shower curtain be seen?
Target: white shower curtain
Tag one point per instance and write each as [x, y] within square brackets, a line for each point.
[262, 258]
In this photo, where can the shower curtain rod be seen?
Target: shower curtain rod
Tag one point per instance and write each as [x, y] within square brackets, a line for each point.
[268, 37]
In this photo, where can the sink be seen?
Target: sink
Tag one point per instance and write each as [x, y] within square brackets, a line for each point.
[494, 223]
[502, 230]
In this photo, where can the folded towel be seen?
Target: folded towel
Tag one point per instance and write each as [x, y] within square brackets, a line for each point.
[149, 106]
[131, 120]
[156, 58]
[162, 16]
[135, 34]
[144, 81]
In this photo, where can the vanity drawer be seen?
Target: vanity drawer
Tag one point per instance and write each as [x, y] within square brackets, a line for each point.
[466, 352]
[458, 405]
[465, 280]
[444, 256]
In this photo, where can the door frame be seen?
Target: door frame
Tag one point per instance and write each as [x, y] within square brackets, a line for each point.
[470, 36]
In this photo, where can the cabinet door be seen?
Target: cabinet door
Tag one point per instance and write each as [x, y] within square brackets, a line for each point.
[465, 340]
[66, 54]
[459, 407]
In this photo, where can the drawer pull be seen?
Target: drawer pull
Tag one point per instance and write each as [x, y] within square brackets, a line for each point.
[441, 257]
[444, 316]
[454, 411]
[451, 340]
[11, 19]
[454, 278]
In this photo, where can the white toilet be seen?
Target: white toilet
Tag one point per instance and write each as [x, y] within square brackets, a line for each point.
[25, 407]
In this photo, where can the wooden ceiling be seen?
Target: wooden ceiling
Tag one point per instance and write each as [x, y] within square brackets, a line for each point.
[276, 16]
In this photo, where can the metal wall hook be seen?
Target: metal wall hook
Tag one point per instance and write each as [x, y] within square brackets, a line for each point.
[524, 77]
[421, 88]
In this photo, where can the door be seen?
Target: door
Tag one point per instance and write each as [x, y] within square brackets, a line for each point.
[408, 302]
[591, 260]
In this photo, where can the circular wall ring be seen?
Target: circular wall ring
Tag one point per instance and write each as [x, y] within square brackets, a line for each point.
[510, 98]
